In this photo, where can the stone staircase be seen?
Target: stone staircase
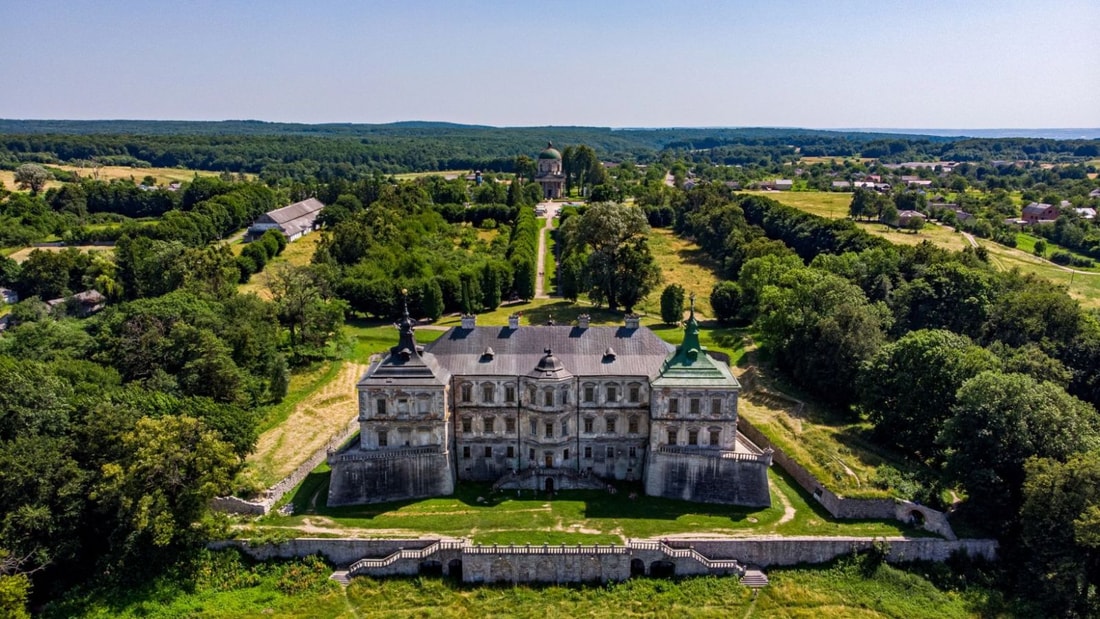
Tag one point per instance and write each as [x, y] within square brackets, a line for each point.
[754, 578]
[342, 577]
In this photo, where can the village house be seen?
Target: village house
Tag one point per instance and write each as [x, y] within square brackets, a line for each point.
[9, 296]
[904, 217]
[1039, 212]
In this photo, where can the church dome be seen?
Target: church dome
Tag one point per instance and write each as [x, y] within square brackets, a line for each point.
[550, 152]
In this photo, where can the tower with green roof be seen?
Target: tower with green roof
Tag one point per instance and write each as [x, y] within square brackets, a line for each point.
[695, 452]
[549, 173]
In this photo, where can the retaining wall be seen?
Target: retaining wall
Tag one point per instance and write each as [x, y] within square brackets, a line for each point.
[781, 551]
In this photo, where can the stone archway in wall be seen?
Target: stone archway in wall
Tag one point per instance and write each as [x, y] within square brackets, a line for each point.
[549, 484]
[591, 570]
[502, 571]
[454, 569]
[545, 572]
[662, 569]
[637, 568]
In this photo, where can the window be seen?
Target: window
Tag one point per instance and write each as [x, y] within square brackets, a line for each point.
[588, 453]
[467, 425]
[565, 455]
[531, 455]
[589, 393]
[633, 452]
[380, 406]
[612, 393]
[510, 425]
[610, 452]
[588, 425]
[611, 425]
[466, 452]
[534, 428]
[487, 393]
[716, 406]
[715, 437]
[383, 438]
[672, 438]
[693, 437]
[422, 405]
[565, 396]
[467, 393]
[565, 428]
[548, 398]
[511, 451]
[635, 393]
[489, 424]
[403, 405]
[694, 404]
[549, 430]
[488, 452]
[632, 425]
[674, 406]
[509, 394]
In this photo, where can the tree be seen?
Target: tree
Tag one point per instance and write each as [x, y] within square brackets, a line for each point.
[621, 270]
[908, 388]
[725, 300]
[172, 468]
[672, 304]
[915, 224]
[32, 176]
[998, 422]
[311, 318]
[1040, 248]
[1060, 534]
[889, 214]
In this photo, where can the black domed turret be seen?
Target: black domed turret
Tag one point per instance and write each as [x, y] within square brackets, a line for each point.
[406, 345]
[550, 366]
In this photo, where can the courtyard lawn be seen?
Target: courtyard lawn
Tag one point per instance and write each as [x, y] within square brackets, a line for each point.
[569, 517]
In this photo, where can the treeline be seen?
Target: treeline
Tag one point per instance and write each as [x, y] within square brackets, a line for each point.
[985, 379]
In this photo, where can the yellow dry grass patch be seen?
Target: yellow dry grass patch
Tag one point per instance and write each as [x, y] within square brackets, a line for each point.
[685, 263]
[298, 253]
[22, 255]
[163, 175]
[309, 427]
[830, 204]
[7, 178]
[939, 235]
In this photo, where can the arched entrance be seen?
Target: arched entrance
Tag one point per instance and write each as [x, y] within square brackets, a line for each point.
[549, 484]
[454, 569]
[916, 518]
[662, 569]
[637, 568]
[431, 568]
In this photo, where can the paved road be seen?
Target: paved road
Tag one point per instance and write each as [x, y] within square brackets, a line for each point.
[552, 209]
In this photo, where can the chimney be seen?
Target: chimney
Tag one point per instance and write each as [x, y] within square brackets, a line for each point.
[632, 321]
[582, 321]
[513, 321]
[469, 321]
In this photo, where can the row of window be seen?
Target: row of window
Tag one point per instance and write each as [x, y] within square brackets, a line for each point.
[510, 452]
[489, 394]
[695, 406]
[714, 435]
[403, 405]
[488, 426]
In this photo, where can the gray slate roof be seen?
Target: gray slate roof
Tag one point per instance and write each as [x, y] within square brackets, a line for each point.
[287, 214]
[582, 352]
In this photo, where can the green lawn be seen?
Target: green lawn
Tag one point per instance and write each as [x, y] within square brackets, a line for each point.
[223, 585]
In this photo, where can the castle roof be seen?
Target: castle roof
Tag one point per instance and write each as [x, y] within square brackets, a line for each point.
[691, 366]
[522, 351]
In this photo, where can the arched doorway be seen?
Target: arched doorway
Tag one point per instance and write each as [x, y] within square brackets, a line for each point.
[431, 568]
[637, 568]
[662, 569]
[916, 518]
[454, 569]
[549, 484]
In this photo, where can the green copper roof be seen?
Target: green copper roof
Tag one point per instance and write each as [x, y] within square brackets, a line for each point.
[691, 366]
[550, 152]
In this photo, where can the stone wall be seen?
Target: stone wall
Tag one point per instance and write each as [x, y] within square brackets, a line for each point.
[845, 508]
[708, 478]
[797, 550]
[340, 552]
[405, 474]
[272, 495]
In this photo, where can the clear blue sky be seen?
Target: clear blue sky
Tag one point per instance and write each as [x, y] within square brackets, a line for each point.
[836, 63]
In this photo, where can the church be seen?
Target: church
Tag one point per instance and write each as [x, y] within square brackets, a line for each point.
[549, 407]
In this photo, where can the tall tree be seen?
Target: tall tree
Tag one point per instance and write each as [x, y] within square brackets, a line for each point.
[620, 267]
[32, 176]
[672, 304]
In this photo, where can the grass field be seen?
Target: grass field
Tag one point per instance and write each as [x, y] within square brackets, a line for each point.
[448, 174]
[684, 263]
[222, 585]
[298, 253]
[164, 176]
[21, 255]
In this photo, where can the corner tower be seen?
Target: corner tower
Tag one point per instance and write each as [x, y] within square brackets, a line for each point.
[696, 453]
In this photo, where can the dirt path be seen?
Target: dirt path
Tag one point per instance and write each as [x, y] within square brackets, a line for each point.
[551, 212]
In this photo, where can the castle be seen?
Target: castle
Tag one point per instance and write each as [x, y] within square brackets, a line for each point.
[548, 408]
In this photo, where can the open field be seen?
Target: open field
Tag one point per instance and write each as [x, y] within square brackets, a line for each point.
[813, 160]
[682, 262]
[1083, 286]
[298, 253]
[222, 585]
[7, 178]
[21, 255]
[164, 176]
[447, 174]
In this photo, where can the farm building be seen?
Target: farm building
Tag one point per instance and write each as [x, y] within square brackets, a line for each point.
[546, 408]
[294, 221]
